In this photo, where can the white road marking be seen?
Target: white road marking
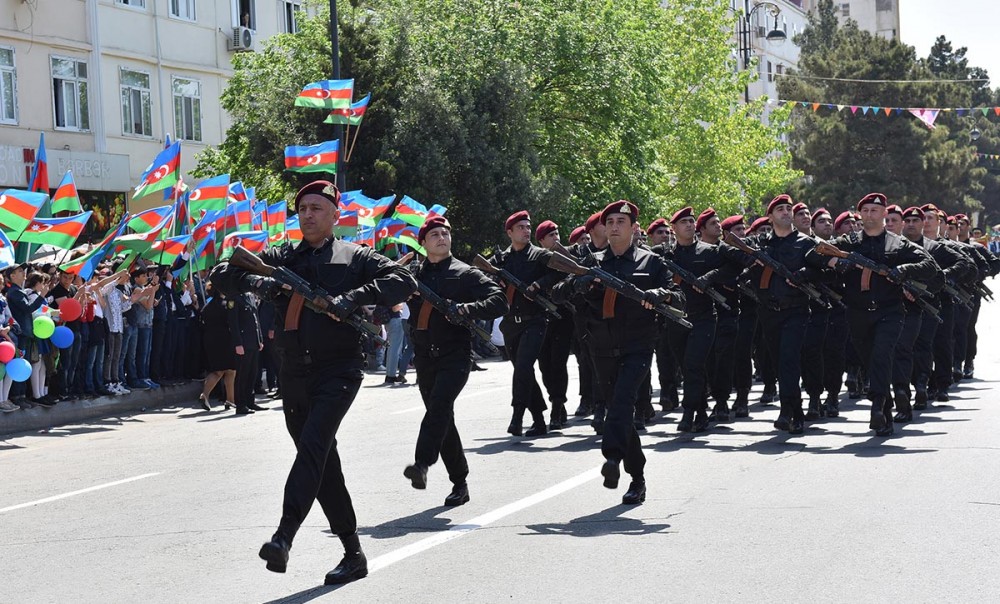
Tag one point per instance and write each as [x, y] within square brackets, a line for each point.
[480, 521]
[80, 492]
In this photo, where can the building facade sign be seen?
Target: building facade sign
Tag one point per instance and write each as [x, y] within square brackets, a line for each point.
[91, 171]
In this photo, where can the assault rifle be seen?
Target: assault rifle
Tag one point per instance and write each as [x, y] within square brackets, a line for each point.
[564, 264]
[704, 286]
[484, 265]
[960, 295]
[780, 269]
[316, 298]
[442, 306]
[915, 289]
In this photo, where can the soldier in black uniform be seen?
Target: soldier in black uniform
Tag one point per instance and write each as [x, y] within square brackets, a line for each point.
[579, 239]
[816, 330]
[623, 341]
[835, 339]
[666, 365]
[244, 329]
[943, 343]
[443, 352]
[844, 224]
[745, 327]
[598, 242]
[992, 267]
[524, 324]
[875, 303]
[554, 358]
[321, 366]
[783, 311]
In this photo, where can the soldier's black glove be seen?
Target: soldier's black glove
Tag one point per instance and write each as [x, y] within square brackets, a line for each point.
[583, 284]
[655, 297]
[266, 288]
[895, 275]
[343, 305]
[454, 313]
[842, 266]
[533, 290]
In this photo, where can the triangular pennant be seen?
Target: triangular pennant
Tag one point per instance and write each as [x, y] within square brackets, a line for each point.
[864, 110]
[888, 110]
[790, 104]
[841, 107]
[927, 116]
[804, 104]
[854, 109]
[875, 110]
[985, 110]
[815, 107]
[996, 110]
[899, 110]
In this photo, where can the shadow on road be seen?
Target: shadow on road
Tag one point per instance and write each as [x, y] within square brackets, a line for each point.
[572, 443]
[306, 595]
[606, 522]
[426, 521]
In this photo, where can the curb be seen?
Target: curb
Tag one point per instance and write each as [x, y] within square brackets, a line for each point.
[81, 410]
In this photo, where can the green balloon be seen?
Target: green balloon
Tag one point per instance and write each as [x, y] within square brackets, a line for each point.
[44, 327]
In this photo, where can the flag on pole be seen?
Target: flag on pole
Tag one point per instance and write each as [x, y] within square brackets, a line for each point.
[386, 230]
[351, 115]
[147, 220]
[40, 173]
[314, 158]
[415, 213]
[276, 216]
[162, 173]
[254, 241]
[211, 194]
[238, 216]
[85, 265]
[58, 232]
[347, 225]
[369, 210]
[237, 192]
[67, 198]
[293, 232]
[143, 241]
[167, 251]
[326, 94]
[18, 209]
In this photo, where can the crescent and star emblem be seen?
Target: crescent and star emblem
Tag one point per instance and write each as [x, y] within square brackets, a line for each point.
[3, 199]
[40, 228]
[195, 195]
[313, 160]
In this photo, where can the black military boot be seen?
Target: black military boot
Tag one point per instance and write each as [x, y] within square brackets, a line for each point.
[417, 473]
[598, 422]
[769, 395]
[557, 417]
[832, 405]
[687, 421]
[585, 409]
[815, 410]
[700, 421]
[459, 495]
[636, 493]
[720, 414]
[970, 370]
[877, 421]
[904, 412]
[887, 428]
[669, 400]
[516, 426]
[797, 424]
[275, 552]
[920, 398]
[611, 473]
[741, 406]
[784, 418]
[352, 567]
[853, 387]
[538, 427]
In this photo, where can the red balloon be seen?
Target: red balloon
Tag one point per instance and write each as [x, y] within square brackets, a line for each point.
[69, 310]
[7, 352]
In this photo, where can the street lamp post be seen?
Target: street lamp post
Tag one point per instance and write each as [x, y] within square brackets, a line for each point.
[744, 37]
[338, 129]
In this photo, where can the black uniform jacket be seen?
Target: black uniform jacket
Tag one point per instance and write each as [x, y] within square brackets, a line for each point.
[798, 254]
[718, 264]
[531, 266]
[453, 280]
[244, 328]
[338, 267]
[891, 250]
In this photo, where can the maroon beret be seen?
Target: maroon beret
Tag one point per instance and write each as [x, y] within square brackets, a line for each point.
[913, 212]
[844, 216]
[762, 221]
[621, 207]
[962, 217]
[656, 224]
[704, 217]
[876, 198]
[432, 222]
[543, 229]
[894, 209]
[515, 218]
[681, 214]
[592, 221]
[779, 200]
[576, 234]
[820, 212]
[952, 220]
[731, 222]
[323, 188]
[798, 208]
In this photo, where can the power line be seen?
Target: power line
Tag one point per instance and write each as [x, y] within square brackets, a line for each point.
[807, 77]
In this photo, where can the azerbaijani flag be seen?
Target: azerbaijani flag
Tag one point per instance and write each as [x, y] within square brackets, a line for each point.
[352, 115]
[85, 265]
[147, 220]
[237, 192]
[387, 229]
[143, 241]
[59, 232]
[40, 173]
[182, 217]
[211, 194]
[162, 173]
[254, 241]
[314, 158]
[238, 215]
[204, 252]
[276, 216]
[67, 198]
[259, 216]
[167, 251]
[365, 236]
[292, 230]
[18, 209]
[408, 236]
[214, 219]
[411, 211]
[347, 225]
[327, 94]
[6, 252]
[369, 210]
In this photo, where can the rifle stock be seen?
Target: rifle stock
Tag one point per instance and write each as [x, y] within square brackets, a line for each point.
[502, 273]
[779, 268]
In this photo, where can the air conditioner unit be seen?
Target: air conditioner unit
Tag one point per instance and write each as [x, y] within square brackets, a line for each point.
[242, 39]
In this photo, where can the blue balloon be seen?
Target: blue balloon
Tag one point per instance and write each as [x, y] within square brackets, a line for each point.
[19, 370]
[62, 337]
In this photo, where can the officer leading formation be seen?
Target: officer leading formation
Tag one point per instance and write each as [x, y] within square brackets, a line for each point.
[880, 299]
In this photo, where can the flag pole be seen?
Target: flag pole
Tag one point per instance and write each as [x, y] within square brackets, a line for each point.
[357, 130]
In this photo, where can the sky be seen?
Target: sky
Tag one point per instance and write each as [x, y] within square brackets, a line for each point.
[969, 23]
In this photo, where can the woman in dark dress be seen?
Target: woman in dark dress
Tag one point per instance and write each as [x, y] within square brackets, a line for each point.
[220, 358]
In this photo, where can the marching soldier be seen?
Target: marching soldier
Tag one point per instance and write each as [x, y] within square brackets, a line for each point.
[322, 365]
[443, 352]
[552, 361]
[992, 268]
[816, 330]
[746, 326]
[834, 343]
[941, 378]
[666, 365]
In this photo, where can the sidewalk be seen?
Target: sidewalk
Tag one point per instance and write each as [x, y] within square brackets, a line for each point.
[80, 410]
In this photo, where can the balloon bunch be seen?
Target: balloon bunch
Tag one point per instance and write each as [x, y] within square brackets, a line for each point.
[44, 328]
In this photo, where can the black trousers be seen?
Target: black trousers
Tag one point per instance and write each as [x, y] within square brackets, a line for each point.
[766, 364]
[585, 366]
[691, 347]
[246, 375]
[902, 361]
[835, 351]
[812, 350]
[723, 357]
[944, 347]
[441, 380]
[963, 316]
[316, 397]
[743, 348]
[972, 340]
[156, 350]
[875, 333]
[524, 345]
[923, 353]
[783, 333]
[553, 361]
[666, 366]
[620, 379]
[269, 364]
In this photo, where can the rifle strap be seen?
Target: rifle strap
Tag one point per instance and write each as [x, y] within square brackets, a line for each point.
[510, 294]
[765, 277]
[866, 279]
[294, 312]
[424, 317]
[608, 310]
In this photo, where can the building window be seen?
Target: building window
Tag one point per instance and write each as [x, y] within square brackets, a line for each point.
[770, 72]
[245, 13]
[845, 9]
[290, 15]
[183, 9]
[135, 3]
[137, 108]
[187, 109]
[69, 93]
[8, 87]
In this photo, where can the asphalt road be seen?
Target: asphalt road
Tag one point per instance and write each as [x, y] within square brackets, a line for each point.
[172, 505]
